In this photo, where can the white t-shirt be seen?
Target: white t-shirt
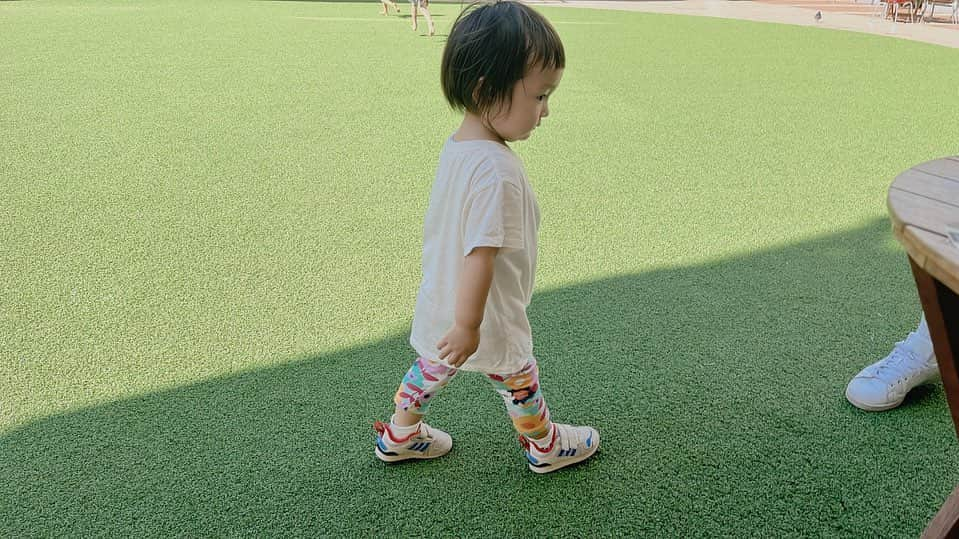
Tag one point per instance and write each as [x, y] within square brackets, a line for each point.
[481, 197]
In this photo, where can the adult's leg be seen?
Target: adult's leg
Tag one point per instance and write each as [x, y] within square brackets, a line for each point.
[429, 19]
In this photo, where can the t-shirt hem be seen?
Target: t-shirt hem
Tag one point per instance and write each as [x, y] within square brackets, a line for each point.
[503, 366]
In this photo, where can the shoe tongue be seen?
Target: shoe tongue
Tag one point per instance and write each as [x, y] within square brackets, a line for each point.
[554, 434]
[919, 345]
[401, 438]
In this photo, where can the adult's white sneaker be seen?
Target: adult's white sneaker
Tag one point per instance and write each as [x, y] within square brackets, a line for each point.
[884, 384]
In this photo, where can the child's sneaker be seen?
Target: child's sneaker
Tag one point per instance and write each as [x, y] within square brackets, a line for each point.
[884, 384]
[424, 443]
[568, 445]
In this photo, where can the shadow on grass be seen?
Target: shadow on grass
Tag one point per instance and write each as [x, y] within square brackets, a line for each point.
[717, 390]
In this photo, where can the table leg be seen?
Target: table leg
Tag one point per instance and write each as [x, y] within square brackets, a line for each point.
[944, 523]
[941, 306]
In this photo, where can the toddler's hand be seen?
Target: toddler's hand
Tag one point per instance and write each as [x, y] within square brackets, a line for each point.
[458, 345]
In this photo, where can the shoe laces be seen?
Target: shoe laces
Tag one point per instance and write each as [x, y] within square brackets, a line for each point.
[901, 363]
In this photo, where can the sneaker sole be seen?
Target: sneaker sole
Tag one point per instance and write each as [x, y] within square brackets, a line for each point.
[575, 460]
[872, 407]
[398, 458]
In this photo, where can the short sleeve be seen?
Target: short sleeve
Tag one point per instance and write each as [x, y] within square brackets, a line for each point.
[493, 217]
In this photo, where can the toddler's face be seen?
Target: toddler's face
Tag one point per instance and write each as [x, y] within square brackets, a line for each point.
[530, 104]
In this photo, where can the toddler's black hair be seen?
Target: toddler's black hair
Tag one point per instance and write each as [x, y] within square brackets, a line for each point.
[498, 42]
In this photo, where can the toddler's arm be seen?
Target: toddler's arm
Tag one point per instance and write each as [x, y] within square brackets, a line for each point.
[462, 340]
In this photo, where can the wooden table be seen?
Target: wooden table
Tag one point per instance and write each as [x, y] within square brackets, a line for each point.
[922, 202]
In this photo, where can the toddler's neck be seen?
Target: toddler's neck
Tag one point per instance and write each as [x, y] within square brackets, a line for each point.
[472, 128]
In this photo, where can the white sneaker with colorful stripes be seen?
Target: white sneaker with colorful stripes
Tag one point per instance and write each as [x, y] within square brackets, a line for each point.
[424, 443]
[568, 445]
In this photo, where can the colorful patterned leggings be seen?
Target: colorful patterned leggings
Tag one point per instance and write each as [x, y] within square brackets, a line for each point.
[520, 391]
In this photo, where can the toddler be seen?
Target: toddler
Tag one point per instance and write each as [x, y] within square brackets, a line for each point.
[501, 63]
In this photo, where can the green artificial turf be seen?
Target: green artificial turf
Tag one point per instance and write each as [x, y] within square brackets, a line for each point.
[209, 250]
